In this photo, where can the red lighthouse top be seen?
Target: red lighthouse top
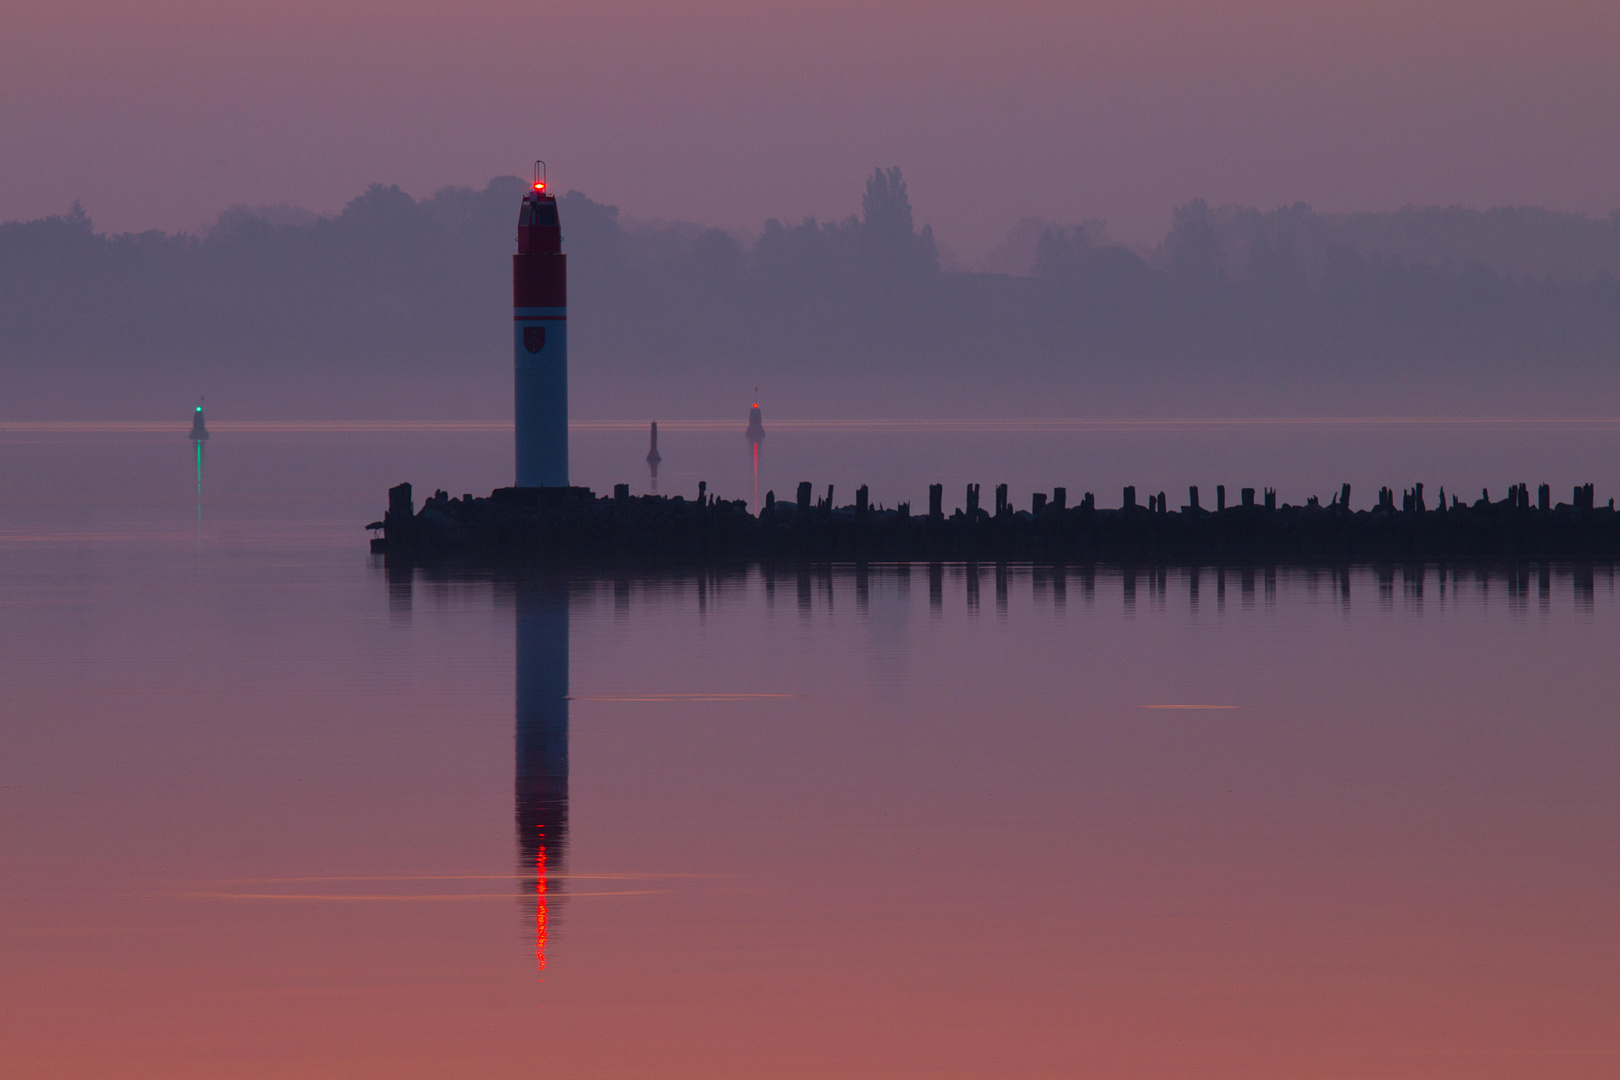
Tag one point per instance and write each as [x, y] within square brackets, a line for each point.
[539, 232]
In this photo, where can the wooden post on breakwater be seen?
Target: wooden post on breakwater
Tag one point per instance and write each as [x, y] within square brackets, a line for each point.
[1247, 495]
[936, 502]
[973, 502]
[1220, 497]
[1192, 504]
[1060, 499]
[1271, 498]
[1544, 497]
[804, 496]
[860, 501]
[1037, 503]
[1129, 501]
[1002, 509]
[401, 507]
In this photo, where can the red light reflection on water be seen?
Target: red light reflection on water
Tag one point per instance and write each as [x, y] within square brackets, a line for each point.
[540, 904]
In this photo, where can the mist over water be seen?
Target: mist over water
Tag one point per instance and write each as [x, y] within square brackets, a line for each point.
[885, 821]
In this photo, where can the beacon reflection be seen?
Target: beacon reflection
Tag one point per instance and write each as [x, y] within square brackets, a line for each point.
[542, 742]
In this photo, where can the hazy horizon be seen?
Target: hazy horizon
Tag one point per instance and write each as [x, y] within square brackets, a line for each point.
[397, 308]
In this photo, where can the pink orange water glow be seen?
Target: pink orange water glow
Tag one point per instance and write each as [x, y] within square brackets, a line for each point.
[257, 801]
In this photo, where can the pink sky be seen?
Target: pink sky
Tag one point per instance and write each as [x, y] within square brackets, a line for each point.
[160, 114]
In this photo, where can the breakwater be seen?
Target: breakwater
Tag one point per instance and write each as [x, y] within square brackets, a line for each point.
[575, 524]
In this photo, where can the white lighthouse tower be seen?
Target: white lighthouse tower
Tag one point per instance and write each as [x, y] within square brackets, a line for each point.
[540, 341]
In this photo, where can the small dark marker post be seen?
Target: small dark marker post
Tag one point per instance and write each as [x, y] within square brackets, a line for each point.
[972, 501]
[1271, 498]
[1037, 503]
[1220, 497]
[1164, 506]
[1130, 497]
[1060, 498]
[804, 495]
[621, 493]
[1192, 497]
[1248, 496]
[1544, 497]
[936, 501]
[860, 501]
[1001, 500]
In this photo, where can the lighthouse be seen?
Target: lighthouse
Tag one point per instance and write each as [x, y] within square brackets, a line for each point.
[540, 340]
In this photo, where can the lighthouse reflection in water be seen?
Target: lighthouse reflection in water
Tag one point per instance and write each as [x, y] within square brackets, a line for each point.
[542, 743]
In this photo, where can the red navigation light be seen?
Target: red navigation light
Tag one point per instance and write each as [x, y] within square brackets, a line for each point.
[539, 185]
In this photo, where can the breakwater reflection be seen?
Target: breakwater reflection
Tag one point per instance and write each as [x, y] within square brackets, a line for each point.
[975, 586]
[628, 647]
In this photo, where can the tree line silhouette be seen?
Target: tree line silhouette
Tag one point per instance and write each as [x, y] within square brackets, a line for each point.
[1234, 309]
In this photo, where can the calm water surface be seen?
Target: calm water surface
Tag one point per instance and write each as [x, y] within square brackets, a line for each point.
[268, 811]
